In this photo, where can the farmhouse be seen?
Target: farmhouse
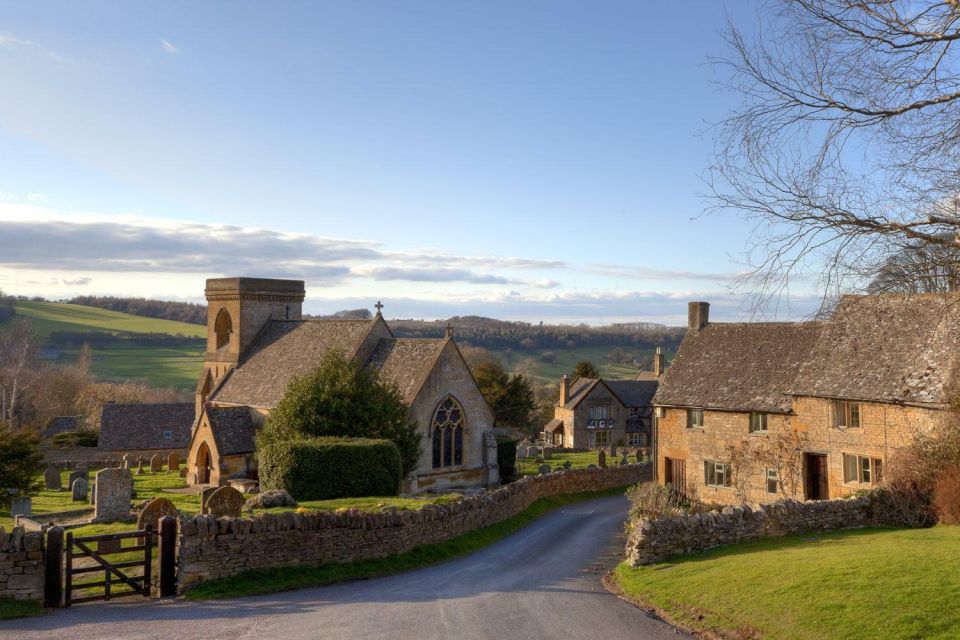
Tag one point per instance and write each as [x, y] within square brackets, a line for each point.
[258, 342]
[593, 412]
[836, 397]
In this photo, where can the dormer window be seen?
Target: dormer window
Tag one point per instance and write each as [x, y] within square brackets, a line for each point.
[844, 415]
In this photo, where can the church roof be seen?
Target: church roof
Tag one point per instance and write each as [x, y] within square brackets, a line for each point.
[284, 350]
[146, 426]
[233, 429]
[406, 362]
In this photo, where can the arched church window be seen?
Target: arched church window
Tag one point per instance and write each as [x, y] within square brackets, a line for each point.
[447, 431]
[223, 327]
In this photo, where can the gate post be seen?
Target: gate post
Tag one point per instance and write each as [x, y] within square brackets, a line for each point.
[168, 556]
[53, 568]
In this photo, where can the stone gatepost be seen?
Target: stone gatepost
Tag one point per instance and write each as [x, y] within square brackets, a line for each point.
[491, 479]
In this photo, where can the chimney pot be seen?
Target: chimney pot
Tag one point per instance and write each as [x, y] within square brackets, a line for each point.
[658, 362]
[564, 390]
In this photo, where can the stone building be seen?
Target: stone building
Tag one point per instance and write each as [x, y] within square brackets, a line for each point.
[162, 426]
[258, 342]
[846, 393]
[595, 413]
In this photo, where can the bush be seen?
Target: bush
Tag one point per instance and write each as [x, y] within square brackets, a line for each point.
[946, 496]
[20, 457]
[507, 460]
[326, 468]
[79, 438]
[651, 501]
[913, 475]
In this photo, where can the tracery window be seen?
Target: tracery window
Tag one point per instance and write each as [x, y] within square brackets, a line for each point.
[447, 432]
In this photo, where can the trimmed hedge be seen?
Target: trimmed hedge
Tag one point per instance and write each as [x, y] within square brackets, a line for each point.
[326, 468]
[507, 460]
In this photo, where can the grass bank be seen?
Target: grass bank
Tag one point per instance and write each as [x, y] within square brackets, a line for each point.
[10, 608]
[286, 578]
[867, 583]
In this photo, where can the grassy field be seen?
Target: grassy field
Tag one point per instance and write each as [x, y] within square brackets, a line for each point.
[47, 317]
[566, 360]
[875, 583]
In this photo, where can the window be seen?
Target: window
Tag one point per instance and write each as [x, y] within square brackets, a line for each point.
[223, 327]
[598, 438]
[168, 435]
[636, 439]
[758, 422]
[717, 474]
[773, 481]
[694, 418]
[634, 412]
[600, 412]
[845, 414]
[862, 469]
[447, 434]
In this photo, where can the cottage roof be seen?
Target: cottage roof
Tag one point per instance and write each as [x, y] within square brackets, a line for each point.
[579, 389]
[143, 426]
[886, 348]
[60, 424]
[406, 362]
[634, 393]
[233, 429]
[284, 350]
[742, 366]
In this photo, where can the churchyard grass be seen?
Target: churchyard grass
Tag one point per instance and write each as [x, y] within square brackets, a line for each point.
[298, 577]
[866, 583]
[578, 460]
[10, 608]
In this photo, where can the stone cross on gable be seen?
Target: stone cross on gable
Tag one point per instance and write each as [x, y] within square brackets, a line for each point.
[379, 307]
[449, 330]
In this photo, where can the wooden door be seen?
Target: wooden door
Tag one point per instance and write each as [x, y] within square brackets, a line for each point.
[675, 473]
[815, 483]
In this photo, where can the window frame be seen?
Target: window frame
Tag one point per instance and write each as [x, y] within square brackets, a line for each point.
[772, 476]
[763, 422]
[849, 411]
[710, 472]
[448, 435]
[636, 439]
[866, 469]
[692, 415]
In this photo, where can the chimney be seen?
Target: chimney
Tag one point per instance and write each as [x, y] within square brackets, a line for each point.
[698, 316]
[564, 390]
[658, 362]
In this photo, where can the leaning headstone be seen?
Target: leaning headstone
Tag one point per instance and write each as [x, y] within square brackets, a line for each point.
[602, 459]
[544, 469]
[204, 496]
[156, 463]
[22, 506]
[153, 511]
[173, 462]
[125, 464]
[76, 475]
[225, 501]
[78, 489]
[112, 494]
[183, 472]
[51, 478]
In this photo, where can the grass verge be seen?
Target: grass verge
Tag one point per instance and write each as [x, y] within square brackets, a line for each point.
[262, 581]
[866, 583]
[10, 608]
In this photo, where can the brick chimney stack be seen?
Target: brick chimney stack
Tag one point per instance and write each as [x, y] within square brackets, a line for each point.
[564, 390]
[698, 316]
[658, 362]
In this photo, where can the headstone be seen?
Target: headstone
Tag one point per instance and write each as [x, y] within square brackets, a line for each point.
[51, 478]
[613, 451]
[92, 493]
[544, 469]
[173, 462]
[22, 506]
[625, 459]
[639, 456]
[153, 511]
[521, 452]
[225, 501]
[183, 472]
[602, 459]
[204, 496]
[126, 461]
[156, 463]
[547, 453]
[112, 494]
[79, 489]
[76, 475]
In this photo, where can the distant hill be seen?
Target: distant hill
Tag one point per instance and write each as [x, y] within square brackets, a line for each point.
[162, 309]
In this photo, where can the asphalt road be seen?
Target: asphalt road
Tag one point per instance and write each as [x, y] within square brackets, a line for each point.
[541, 582]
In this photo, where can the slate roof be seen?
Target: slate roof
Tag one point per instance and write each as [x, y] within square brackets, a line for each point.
[233, 429]
[406, 362]
[738, 366]
[887, 348]
[283, 351]
[634, 393]
[141, 426]
[578, 390]
[61, 424]
[553, 425]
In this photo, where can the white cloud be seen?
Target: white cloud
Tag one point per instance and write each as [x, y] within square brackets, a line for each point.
[169, 47]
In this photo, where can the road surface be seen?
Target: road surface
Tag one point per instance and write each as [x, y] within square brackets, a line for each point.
[542, 582]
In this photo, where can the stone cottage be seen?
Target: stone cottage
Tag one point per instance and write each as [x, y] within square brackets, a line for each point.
[846, 393]
[147, 428]
[258, 342]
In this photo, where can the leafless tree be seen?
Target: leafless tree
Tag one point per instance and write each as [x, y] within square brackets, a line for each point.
[846, 147]
[18, 368]
[919, 268]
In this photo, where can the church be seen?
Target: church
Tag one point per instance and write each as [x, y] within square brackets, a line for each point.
[258, 342]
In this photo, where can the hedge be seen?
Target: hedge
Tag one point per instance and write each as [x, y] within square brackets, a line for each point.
[326, 468]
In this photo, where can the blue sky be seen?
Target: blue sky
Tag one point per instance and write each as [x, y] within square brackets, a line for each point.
[534, 160]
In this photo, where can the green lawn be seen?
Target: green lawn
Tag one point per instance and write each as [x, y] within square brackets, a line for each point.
[47, 317]
[579, 460]
[874, 583]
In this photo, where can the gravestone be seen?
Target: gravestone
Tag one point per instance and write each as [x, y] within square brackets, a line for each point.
[153, 511]
[613, 451]
[204, 496]
[625, 459]
[22, 506]
[183, 472]
[544, 469]
[602, 459]
[140, 471]
[225, 501]
[156, 463]
[126, 461]
[173, 462]
[112, 494]
[51, 478]
[78, 489]
[76, 475]
[521, 452]
[92, 494]
[639, 456]
[547, 453]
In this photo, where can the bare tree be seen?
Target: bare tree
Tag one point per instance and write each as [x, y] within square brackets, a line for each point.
[846, 147]
[919, 268]
[18, 367]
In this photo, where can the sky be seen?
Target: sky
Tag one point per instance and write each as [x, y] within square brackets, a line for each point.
[536, 160]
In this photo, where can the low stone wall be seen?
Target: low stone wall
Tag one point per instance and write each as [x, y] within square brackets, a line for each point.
[21, 564]
[95, 457]
[211, 548]
[653, 541]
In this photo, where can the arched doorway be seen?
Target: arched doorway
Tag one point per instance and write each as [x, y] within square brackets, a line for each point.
[203, 464]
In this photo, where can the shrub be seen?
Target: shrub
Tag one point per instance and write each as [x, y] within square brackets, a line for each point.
[946, 496]
[20, 457]
[507, 460]
[907, 498]
[651, 501]
[79, 438]
[326, 468]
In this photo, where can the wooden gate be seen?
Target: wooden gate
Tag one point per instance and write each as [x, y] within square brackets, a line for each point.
[87, 555]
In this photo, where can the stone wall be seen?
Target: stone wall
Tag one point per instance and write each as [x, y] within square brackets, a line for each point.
[96, 458]
[21, 564]
[211, 548]
[653, 541]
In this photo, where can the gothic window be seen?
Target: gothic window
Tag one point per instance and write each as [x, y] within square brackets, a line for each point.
[223, 327]
[447, 430]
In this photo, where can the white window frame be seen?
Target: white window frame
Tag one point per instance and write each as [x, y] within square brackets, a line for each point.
[695, 419]
[858, 469]
[712, 470]
[845, 414]
[774, 477]
[759, 422]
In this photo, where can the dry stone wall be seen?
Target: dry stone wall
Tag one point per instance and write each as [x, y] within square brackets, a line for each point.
[652, 541]
[212, 548]
[21, 564]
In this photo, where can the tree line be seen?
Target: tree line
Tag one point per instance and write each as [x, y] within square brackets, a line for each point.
[189, 312]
